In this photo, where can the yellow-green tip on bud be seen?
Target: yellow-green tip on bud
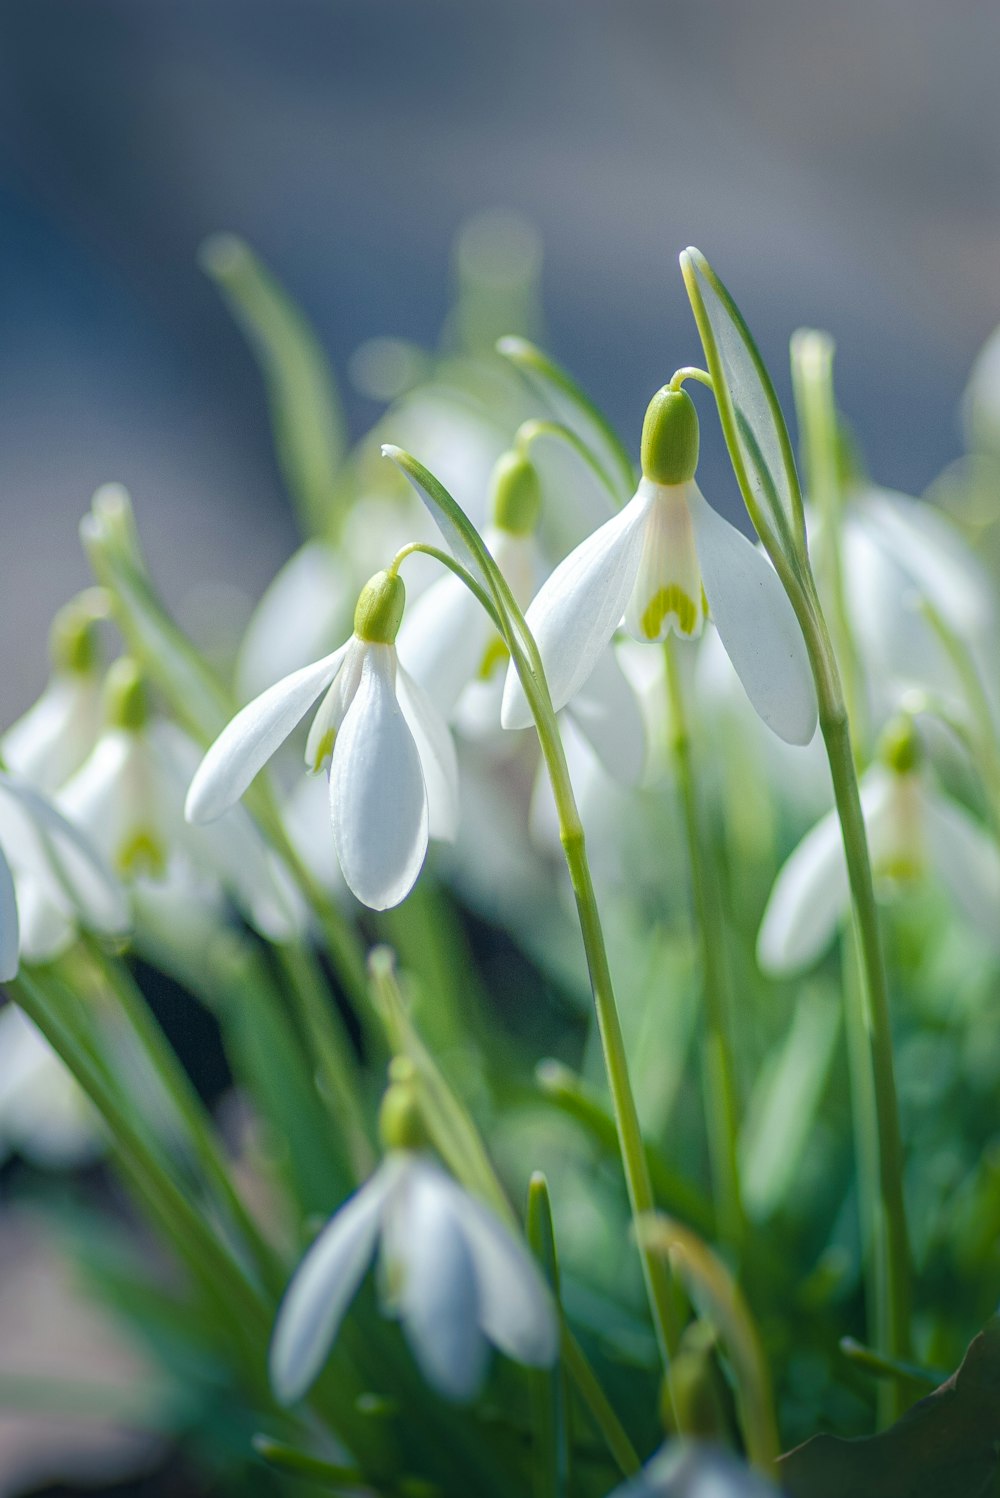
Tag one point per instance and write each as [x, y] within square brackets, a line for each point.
[899, 747]
[74, 647]
[126, 698]
[517, 494]
[400, 1124]
[670, 438]
[380, 609]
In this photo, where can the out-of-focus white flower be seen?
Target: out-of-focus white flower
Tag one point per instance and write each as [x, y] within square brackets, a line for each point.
[128, 797]
[52, 880]
[914, 831]
[452, 1273]
[44, 1114]
[56, 734]
[663, 562]
[393, 776]
[683, 1470]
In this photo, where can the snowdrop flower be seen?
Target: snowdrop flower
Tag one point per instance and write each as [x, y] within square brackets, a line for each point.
[44, 1113]
[684, 1470]
[664, 561]
[450, 1270]
[452, 647]
[52, 880]
[128, 797]
[913, 830]
[393, 776]
[54, 737]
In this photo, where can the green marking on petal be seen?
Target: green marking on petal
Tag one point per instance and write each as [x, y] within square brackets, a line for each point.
[323, 750]
[667, 601]
[142, 854]
[495, 655]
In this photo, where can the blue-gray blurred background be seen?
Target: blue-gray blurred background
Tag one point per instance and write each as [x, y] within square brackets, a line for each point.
[839, 164]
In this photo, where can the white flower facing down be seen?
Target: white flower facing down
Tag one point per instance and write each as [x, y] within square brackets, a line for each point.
[664, 562]
[452, 1273]
[913, 831]
[393, 775]
[52, 880]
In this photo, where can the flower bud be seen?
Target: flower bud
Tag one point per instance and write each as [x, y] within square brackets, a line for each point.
[380, 609]
[669, 452]
[73, 643]
[400, 1123]
[517, 494]
[899, 747]
[126, 697]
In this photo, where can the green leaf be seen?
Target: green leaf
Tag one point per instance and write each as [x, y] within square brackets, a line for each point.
[306, 415]
[944, 1447]
[568, 404]
[754, 427]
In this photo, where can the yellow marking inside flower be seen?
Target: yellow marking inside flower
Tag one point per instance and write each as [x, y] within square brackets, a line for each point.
[495, 655]
[142, 854]
[901, 869]
[664, 602]
[323, 750]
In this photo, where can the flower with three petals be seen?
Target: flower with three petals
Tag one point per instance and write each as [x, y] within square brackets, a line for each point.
[666, 562]
[392, 773]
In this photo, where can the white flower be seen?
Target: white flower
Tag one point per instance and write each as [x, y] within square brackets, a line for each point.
[56, 734]
[44, 1113]
[686, 1470]
[913, 830]
[52, 879]
[128, 797]
[451, 1272]
[393, 776]
[664, 562]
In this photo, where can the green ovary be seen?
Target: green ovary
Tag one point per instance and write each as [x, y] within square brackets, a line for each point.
[667, 601]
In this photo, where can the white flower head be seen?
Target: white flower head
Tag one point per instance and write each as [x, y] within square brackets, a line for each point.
[393, 776]
[913, 831]
[666, 562]
[453, 1274]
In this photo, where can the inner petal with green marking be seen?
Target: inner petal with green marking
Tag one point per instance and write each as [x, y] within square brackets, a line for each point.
[668, 596]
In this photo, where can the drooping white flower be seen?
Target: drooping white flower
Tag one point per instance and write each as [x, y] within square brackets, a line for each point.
[665, 562]
[688, 1470]
[450, 1270]
[914, 831]
[128, 797]
[52, 880]
[393, 776]
[44, 1113]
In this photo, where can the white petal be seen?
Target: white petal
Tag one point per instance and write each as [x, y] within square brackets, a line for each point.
[811, 894]
[516, 1309]
[55, 736]
[46, 928]
[438, 1293]
[40, 840]
[966, 857]
[442, 640]
[607, 712]
[333, 709]
[377, 796]
[9, 930]
[667, 597]
[757, 624]
[126, 804]
[436, 749]
[578, 609]
[246, 744]
[324, 1286]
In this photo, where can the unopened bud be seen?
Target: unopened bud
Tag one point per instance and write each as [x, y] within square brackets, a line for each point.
[380, 609]
[670, 438]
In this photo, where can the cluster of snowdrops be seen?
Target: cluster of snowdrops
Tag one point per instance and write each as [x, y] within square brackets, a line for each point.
[504, 650]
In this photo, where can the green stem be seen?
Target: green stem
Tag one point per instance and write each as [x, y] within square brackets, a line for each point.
[719, 1081]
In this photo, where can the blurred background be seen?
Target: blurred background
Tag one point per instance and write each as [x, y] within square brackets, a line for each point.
[838, 164]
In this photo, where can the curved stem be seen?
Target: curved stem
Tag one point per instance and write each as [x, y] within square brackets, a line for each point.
[721, 1109]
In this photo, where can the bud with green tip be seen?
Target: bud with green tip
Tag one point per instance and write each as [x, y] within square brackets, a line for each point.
[126, 696]
[516, 494]
[670, 438]
[379, 610]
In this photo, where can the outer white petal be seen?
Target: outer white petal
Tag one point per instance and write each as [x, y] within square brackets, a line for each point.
[578, 609]
[516, 1310]
[436, 749]
[607, 712]
[442, 640]
[756, 623]
[332, 710]
[438, 1300]
[54, 737]
[47, 929]
[9, 930]
[377, 796]
[968, 861]
[324, 1286]
[246, 744]
[39, 840]
[811, 894]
